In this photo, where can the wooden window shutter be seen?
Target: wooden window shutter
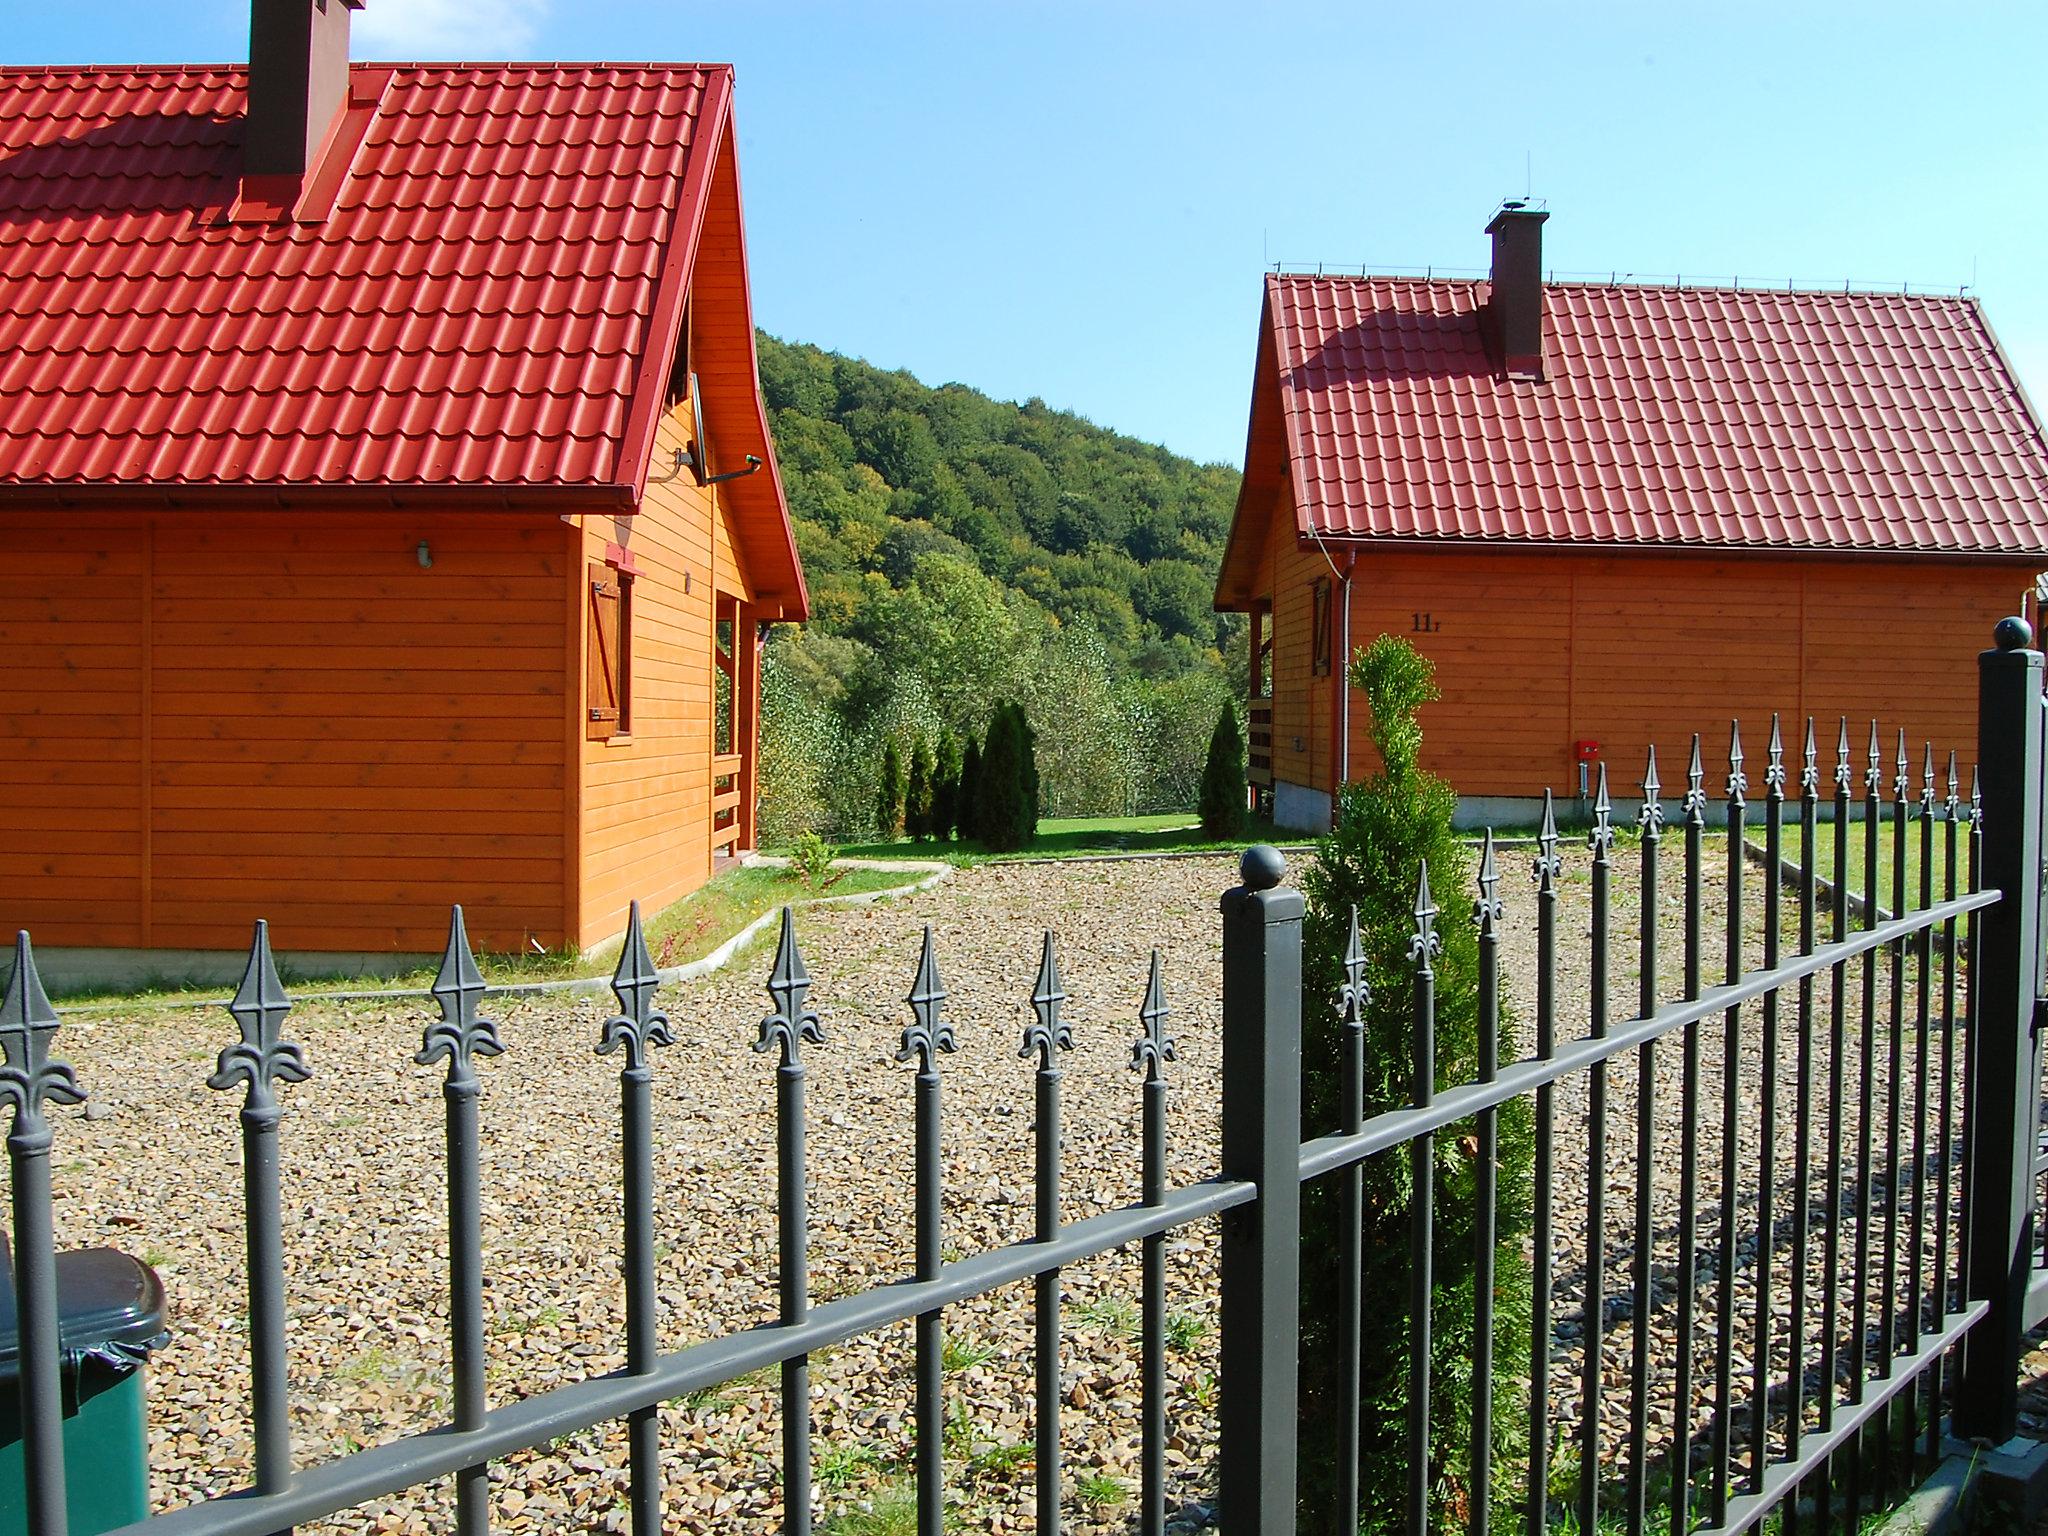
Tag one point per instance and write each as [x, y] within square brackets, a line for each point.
[604, 713]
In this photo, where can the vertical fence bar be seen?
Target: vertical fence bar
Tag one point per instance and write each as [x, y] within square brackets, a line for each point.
[1423, 946]
[1866, 1110]
[1838, 1050]
[1651, 821]
[927, 1037]
[1546, 870]
[30, 1078]
[1972, 950]
[1802, 1155]
[1486, 913]
[1923, 1024]
[1046, 1034]
[1260, 1265]
[1895, 1073]
[1767, 1119]
[784, 1029]
[1151, 1053]
[638, 1028]
[460, 1037]
[1600, 841]
[1352, 1003]
[1944, 1200]
[261, 1059]
[1688, 1161]
[1721, 1450]
[2002, 1102]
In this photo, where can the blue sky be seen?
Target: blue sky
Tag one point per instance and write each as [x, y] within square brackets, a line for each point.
[1077, 201]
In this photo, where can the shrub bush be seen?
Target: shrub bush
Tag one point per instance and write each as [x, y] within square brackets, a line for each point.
[1223, 779]
[946, 787]
[917, 805]
[1387, 826]
[812, 861]
[1006, 797]
[967, 793]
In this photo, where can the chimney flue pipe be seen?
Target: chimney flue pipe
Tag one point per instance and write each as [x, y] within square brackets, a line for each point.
[1515, 304]
[298, 81]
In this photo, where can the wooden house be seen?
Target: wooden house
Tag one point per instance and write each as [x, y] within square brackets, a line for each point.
[388, 515]
[1613, 514]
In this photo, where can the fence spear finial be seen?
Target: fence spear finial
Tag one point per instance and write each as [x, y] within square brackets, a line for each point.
[1977, 795]
[1696, 786]
[1547, 866]
[460, 1035]
[1047, 1031]
[1927, 779]
[262, 1055]
[1844, 777]
[1738, 781]
[638, 1026]
[1600, 836]
[1425, 942]
[1355, 994]
[792, 1020]
[1902, 779]
[928, 1034]
[1809, 772]
[1486, 911]
[1873, 775]
[1651, 816]
[1774, 770]
[29, 1075]
[1954, 802]
[1155, 1047]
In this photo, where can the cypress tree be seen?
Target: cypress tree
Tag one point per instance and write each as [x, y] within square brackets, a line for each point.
[1027, 779]
[1388, 825]
[917, 813]
[1223, 780]
[967, 795]
[889, 797]
[1002, 781]
[946, 787]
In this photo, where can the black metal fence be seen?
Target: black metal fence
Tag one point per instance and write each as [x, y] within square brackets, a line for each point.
[1902, 1228]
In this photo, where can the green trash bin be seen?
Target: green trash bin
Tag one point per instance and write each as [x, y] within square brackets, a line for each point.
[110, 1316]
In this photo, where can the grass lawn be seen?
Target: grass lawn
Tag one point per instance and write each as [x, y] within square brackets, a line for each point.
[687, 930]
[1824, 856]
[1072, 837]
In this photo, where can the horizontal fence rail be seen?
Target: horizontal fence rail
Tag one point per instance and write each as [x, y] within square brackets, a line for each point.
[1772, 1296]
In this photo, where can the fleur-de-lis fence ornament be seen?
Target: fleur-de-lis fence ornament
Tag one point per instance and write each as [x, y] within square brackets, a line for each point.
[1953, 805]
[1738, 781]
[792, 1021]
[1902, 777]
[638, 1025]
[262, 1057]
[1354, 996]
[1546, 866]
[1651, 816]
[462, 1034]
[1809, 771]
[1155, 1047]
[1047, 1031]
[30, 1076]
[1873, 775]
[929, 1034]
[1599, 836]
[1486, 910]
[1774, 770]
[1696, 787]
[1425, 944]
[1927, 782]
[1845, 777]
[1976, 799]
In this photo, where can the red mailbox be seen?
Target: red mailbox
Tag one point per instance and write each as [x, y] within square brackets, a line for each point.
[1586, 751]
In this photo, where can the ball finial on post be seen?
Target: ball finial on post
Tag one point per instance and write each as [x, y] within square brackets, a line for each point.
[2013, 634]
[1262, 867]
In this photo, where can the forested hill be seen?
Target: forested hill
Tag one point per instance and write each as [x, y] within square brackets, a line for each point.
[1099, 529]
[964, 552]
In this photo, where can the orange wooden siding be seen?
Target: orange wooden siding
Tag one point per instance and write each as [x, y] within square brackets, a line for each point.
[1535, 651]
[223, 717]
[646, 799]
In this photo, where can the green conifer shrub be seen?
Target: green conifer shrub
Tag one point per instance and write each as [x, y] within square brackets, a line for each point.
[1223, 780]
[889, 795]
[946, 787]
[1027, 779]
[967, 794]
[1001, 796]
[917, 805]
[1387, 825]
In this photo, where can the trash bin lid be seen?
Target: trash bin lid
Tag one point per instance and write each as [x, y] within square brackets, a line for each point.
[109, 1307]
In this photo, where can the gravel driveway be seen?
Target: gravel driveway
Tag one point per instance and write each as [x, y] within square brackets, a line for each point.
[157, 1173]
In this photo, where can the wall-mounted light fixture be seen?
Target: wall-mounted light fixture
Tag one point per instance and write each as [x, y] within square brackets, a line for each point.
[426, 556]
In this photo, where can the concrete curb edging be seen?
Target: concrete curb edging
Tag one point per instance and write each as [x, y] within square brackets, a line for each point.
[576, 985]
[1789, 873]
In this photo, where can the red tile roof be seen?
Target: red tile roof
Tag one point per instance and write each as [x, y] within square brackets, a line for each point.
[1667, 416]
[472, 311]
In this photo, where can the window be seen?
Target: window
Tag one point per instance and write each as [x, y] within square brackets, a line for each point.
[608, 686]
[1262, 649]
[1319, 626]
[680, 384]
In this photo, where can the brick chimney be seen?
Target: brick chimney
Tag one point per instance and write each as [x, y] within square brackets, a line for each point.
[1514, 308]
[298, 82]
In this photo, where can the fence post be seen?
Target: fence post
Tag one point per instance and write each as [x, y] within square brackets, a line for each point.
[2003, 1084]
[1261, 1259]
